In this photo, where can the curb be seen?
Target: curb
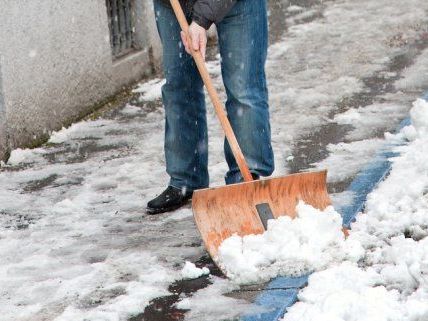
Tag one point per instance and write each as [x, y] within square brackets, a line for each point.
[281, 293]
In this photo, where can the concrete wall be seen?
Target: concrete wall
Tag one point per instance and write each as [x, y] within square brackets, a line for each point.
[56, 63]
[3, 142]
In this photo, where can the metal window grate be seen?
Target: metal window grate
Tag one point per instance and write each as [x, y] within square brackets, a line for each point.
[121, 25]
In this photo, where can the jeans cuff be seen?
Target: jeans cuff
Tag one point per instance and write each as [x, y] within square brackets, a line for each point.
[182, 185]
[236, 177]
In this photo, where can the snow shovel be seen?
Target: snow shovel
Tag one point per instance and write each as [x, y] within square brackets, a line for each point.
[245, 208]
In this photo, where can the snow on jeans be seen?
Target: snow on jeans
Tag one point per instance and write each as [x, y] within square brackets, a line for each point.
[243, 38]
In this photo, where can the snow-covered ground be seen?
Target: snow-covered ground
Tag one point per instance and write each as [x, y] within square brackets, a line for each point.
[390, 281]
[74, 241]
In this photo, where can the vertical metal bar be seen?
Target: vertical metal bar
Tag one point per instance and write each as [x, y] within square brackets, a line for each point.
[125, 23]
[115, 27]
[117, 13]
[128, 24]
[121, 15]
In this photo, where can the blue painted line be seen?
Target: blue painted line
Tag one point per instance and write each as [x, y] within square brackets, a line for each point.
[277, 296]
[274, 304]
[288, 282]
[281, 293]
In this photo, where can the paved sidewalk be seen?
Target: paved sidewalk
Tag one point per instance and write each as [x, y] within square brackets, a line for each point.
[74, 240]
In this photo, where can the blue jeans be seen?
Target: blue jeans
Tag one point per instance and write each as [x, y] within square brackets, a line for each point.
[243, 41]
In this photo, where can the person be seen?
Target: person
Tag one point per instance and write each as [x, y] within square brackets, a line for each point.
[242, 27]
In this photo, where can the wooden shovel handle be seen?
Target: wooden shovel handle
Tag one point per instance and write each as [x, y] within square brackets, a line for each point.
[218, 106]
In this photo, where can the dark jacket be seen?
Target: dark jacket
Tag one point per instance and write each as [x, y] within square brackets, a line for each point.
[205, 12]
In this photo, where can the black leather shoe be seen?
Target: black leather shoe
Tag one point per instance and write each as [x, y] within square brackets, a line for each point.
[170, 199]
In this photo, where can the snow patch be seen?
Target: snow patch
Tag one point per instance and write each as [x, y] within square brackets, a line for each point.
[150, 90]
[340, 200]
[419, 116]
[130, 110]
[209, 304]
[370, 118]
[81, 130]
[294, 8]
[416, 75]
[190, 271]
[58, 137]
[348, 158]
[25, 156]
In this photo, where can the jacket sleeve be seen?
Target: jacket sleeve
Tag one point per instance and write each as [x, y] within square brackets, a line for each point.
[207, 12]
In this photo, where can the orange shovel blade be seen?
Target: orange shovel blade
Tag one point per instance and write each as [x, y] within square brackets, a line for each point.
[243, 208]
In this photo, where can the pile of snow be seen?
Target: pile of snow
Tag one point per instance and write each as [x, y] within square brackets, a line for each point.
[345, 292]
[310, 242]
[190, 271]
[396, 290]
[391, 281]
